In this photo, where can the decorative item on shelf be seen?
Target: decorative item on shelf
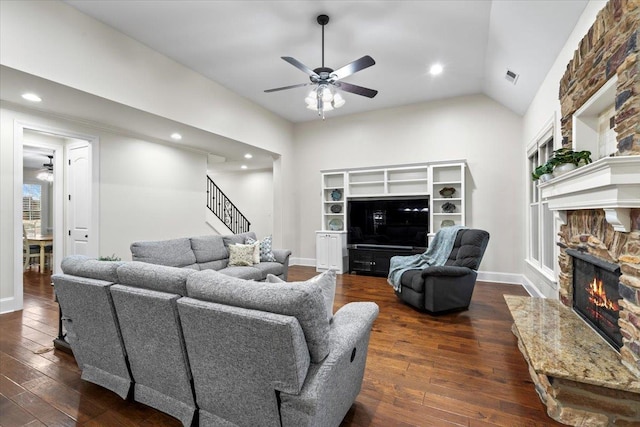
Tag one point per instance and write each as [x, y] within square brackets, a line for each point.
[543, 172]
[448, 207]
[563, 168]
[336, 208]
[563, 161]
[336, 194]
[447, 192]
[335, 224]
[447, 223]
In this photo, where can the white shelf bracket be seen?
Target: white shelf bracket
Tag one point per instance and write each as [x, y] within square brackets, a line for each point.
[619, 218]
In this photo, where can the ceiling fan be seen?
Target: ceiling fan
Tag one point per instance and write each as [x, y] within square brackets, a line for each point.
[46, 173]
[324, 97]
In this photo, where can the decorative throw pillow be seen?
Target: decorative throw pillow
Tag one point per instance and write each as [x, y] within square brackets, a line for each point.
[241, 255]
[327, 283]
[256, 252]
[266, 248]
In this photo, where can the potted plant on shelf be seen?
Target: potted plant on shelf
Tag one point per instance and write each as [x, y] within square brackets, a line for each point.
[543, 172]
[563, 161]
[566, 160]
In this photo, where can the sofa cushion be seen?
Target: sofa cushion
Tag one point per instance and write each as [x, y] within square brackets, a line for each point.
[247, 273]
[241, 255]
[209, 248]
[327, 283]
[305, 303]
[155, 277]
[266, 268]
[83, 266]
[174, 253]
[240, 238]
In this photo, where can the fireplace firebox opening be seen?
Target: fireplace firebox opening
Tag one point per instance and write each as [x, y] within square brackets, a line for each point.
[595, 295]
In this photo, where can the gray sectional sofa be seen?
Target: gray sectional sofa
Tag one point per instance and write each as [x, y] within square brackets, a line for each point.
[209, 253]
[211, 349]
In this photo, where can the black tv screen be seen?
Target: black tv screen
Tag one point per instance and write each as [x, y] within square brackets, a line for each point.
[392, 222]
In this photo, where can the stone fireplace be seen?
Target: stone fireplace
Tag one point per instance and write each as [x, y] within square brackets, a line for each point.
[589, 232]
[582, 379]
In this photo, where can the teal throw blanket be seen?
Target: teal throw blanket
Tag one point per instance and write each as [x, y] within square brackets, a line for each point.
[436, 254]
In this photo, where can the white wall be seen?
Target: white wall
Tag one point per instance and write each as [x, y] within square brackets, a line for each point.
[252, 193]
[544, 106]
[475, 128]
[148, 191]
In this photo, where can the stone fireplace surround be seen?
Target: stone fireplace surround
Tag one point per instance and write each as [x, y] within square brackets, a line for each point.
[580, 378]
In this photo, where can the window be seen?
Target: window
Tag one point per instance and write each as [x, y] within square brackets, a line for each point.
[541, 248]
[31, 214]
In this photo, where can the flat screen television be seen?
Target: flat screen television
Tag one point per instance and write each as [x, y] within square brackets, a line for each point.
[393, 222]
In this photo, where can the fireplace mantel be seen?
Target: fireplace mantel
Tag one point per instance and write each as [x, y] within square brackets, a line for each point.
[610, 183]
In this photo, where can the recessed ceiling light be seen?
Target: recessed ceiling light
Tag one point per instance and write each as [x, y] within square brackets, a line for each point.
[248, 156]
[176, 136]
[435, 69]
[31, 97]
[243, 167]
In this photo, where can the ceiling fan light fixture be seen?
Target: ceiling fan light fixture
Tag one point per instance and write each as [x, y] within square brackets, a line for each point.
[45, 176]
[325, 97]
[338, 101]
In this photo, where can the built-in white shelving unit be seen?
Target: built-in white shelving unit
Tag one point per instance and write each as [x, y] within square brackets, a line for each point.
[333, 201]
[447, 195]
[408, 180]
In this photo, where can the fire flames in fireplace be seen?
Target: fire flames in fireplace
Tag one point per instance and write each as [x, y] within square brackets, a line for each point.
[598, 296]
[595, 295]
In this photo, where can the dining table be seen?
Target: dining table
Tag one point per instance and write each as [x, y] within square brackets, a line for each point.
[41, 240]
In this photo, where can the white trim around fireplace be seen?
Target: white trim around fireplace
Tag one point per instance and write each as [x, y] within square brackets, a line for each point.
[610, 183]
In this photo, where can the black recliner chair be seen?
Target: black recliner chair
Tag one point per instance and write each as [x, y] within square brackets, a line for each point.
[448, 287]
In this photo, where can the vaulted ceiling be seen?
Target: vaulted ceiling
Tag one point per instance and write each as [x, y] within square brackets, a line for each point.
[239, 44]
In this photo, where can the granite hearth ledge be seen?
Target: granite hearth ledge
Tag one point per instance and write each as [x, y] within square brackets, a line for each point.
[558, 344]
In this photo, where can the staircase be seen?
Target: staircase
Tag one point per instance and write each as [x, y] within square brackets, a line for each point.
[223, 209]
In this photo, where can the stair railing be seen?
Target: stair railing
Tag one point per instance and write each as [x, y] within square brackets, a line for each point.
[225, 210]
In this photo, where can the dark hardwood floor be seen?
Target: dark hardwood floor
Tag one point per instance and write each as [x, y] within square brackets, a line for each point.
[461, 369]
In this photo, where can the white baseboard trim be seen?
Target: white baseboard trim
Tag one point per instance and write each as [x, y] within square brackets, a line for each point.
[7, 305]
[531, 288]
[493, 276]
[305, 262]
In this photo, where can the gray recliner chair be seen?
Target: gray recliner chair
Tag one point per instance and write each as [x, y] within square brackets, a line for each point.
[440, 289]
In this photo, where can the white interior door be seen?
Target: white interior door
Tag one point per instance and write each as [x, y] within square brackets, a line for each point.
[79, 233]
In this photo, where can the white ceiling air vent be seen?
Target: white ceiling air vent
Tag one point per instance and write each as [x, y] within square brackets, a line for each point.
[511, 77]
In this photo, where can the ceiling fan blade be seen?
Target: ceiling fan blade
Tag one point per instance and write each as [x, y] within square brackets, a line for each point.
[358, 90]
[287, 87]
[353, 67]
[299, 65]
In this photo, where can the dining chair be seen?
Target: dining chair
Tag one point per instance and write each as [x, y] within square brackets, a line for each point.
[29, 251]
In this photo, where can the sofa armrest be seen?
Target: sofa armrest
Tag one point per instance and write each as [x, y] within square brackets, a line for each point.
[446, 270]
[332, 385]
[282, 255]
